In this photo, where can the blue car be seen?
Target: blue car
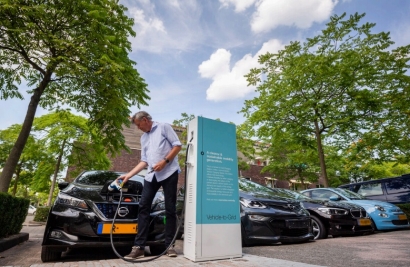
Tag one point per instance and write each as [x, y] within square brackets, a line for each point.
[384, 215]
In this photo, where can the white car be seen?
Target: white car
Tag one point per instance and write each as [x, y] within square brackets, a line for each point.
[31, 210]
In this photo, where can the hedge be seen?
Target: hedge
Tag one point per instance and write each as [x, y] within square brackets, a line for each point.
[13, 212]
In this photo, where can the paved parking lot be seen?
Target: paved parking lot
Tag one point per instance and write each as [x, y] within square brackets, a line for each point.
[380, 249]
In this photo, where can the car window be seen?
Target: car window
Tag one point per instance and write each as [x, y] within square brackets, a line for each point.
[372, 189]
[96, 177]
[261, 191]
[348, 194]
[323, 194]
[398, 185]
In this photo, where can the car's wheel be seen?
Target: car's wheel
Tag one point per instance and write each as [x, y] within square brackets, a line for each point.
[373, 225]
[49, 255]
[179, 235]
[319, 229]
[157, 249]
[34, 213]
[245, 243]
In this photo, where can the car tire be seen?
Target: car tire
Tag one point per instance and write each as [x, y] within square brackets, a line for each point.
[49, 255]
[373, 225]
[319, 229]
[157, 249]
[34, 213]
[245, 243]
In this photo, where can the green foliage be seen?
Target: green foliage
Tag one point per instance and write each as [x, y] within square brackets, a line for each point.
[72, 53]
[332, 87]
[41, 214]
[245, 145]
[13, 212]
[183, 123]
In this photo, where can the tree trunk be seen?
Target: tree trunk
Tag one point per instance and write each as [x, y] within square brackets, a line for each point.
[14, 157]
[321, 155]
[60, 156]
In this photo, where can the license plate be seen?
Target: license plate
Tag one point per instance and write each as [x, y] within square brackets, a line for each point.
[402, 217]
[297, 224]
[364, 222]
[119, 228]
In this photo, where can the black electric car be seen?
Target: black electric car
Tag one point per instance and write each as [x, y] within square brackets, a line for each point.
[268, 217]
[83, 212]
[330, 217]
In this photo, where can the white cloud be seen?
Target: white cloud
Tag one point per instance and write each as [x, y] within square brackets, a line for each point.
[229, 83]
[165, 25]
[270, 14]
[240, 5]
[299, 13]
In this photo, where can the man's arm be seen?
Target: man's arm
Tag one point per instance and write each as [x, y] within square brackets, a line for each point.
[140, 166]
[170, 156]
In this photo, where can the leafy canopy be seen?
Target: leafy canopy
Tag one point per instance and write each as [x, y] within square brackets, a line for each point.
[80, 50]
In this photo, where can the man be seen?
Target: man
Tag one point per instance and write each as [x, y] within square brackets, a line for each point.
[160, 146]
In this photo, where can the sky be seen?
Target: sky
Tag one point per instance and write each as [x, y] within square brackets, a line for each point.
[193, 54]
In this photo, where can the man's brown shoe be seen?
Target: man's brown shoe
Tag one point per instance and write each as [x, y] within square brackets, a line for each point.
[171, 253]
[136, 253]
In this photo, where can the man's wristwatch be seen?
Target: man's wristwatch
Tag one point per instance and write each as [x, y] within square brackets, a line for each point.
[166, 160]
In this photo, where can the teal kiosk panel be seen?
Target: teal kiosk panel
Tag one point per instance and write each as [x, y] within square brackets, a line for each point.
[217, 172]
[212, 228]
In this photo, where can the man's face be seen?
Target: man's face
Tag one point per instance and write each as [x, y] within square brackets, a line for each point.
[143, 124]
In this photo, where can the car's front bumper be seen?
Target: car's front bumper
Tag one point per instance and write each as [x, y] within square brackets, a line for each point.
[273, 229]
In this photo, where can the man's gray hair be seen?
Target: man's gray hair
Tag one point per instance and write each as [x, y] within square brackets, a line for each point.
[141, 114]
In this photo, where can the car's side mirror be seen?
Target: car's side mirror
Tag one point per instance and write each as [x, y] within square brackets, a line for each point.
[62, 185]
[334, 198]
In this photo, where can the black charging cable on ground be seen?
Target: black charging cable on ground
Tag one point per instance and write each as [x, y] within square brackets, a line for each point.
[180, 221]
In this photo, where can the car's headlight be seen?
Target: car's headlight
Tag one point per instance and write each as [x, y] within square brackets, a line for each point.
[379, 208]
[333, 211]
[252, 204]
[71, 201]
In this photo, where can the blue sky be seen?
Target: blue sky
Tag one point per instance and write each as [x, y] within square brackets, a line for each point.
[193, 54]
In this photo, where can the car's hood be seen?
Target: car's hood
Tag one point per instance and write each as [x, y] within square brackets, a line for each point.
[268, 199]
[98, 193]
[332, 204]
[371, 203]
[86, 192]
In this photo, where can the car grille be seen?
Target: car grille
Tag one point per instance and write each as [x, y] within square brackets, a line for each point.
[109, 209]
[295, 232]
[291, 228]
[400, 222]
[358, 213]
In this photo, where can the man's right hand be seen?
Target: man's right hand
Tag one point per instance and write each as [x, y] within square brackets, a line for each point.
[124, 177]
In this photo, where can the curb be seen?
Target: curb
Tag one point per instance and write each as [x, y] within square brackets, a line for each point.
[13, 240]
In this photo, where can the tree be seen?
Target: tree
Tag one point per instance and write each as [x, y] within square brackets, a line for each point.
[29, 159]
[331, 87]
[183, 123]
[67, 137]
[290, 157]
[71, 53]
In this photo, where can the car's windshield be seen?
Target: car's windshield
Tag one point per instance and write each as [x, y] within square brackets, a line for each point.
[255, 188]
[349, 194]
[289, 194]
[97, 177]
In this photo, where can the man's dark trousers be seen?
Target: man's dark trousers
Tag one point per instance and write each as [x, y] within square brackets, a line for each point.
[169, 186]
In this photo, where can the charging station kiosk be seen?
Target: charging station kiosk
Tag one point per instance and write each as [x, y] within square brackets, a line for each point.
[212, 228]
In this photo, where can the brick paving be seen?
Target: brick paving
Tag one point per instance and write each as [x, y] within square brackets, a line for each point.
[27, 254]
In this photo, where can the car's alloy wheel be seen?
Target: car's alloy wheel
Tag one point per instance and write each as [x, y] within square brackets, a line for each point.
[319, 229]
[49, 255]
